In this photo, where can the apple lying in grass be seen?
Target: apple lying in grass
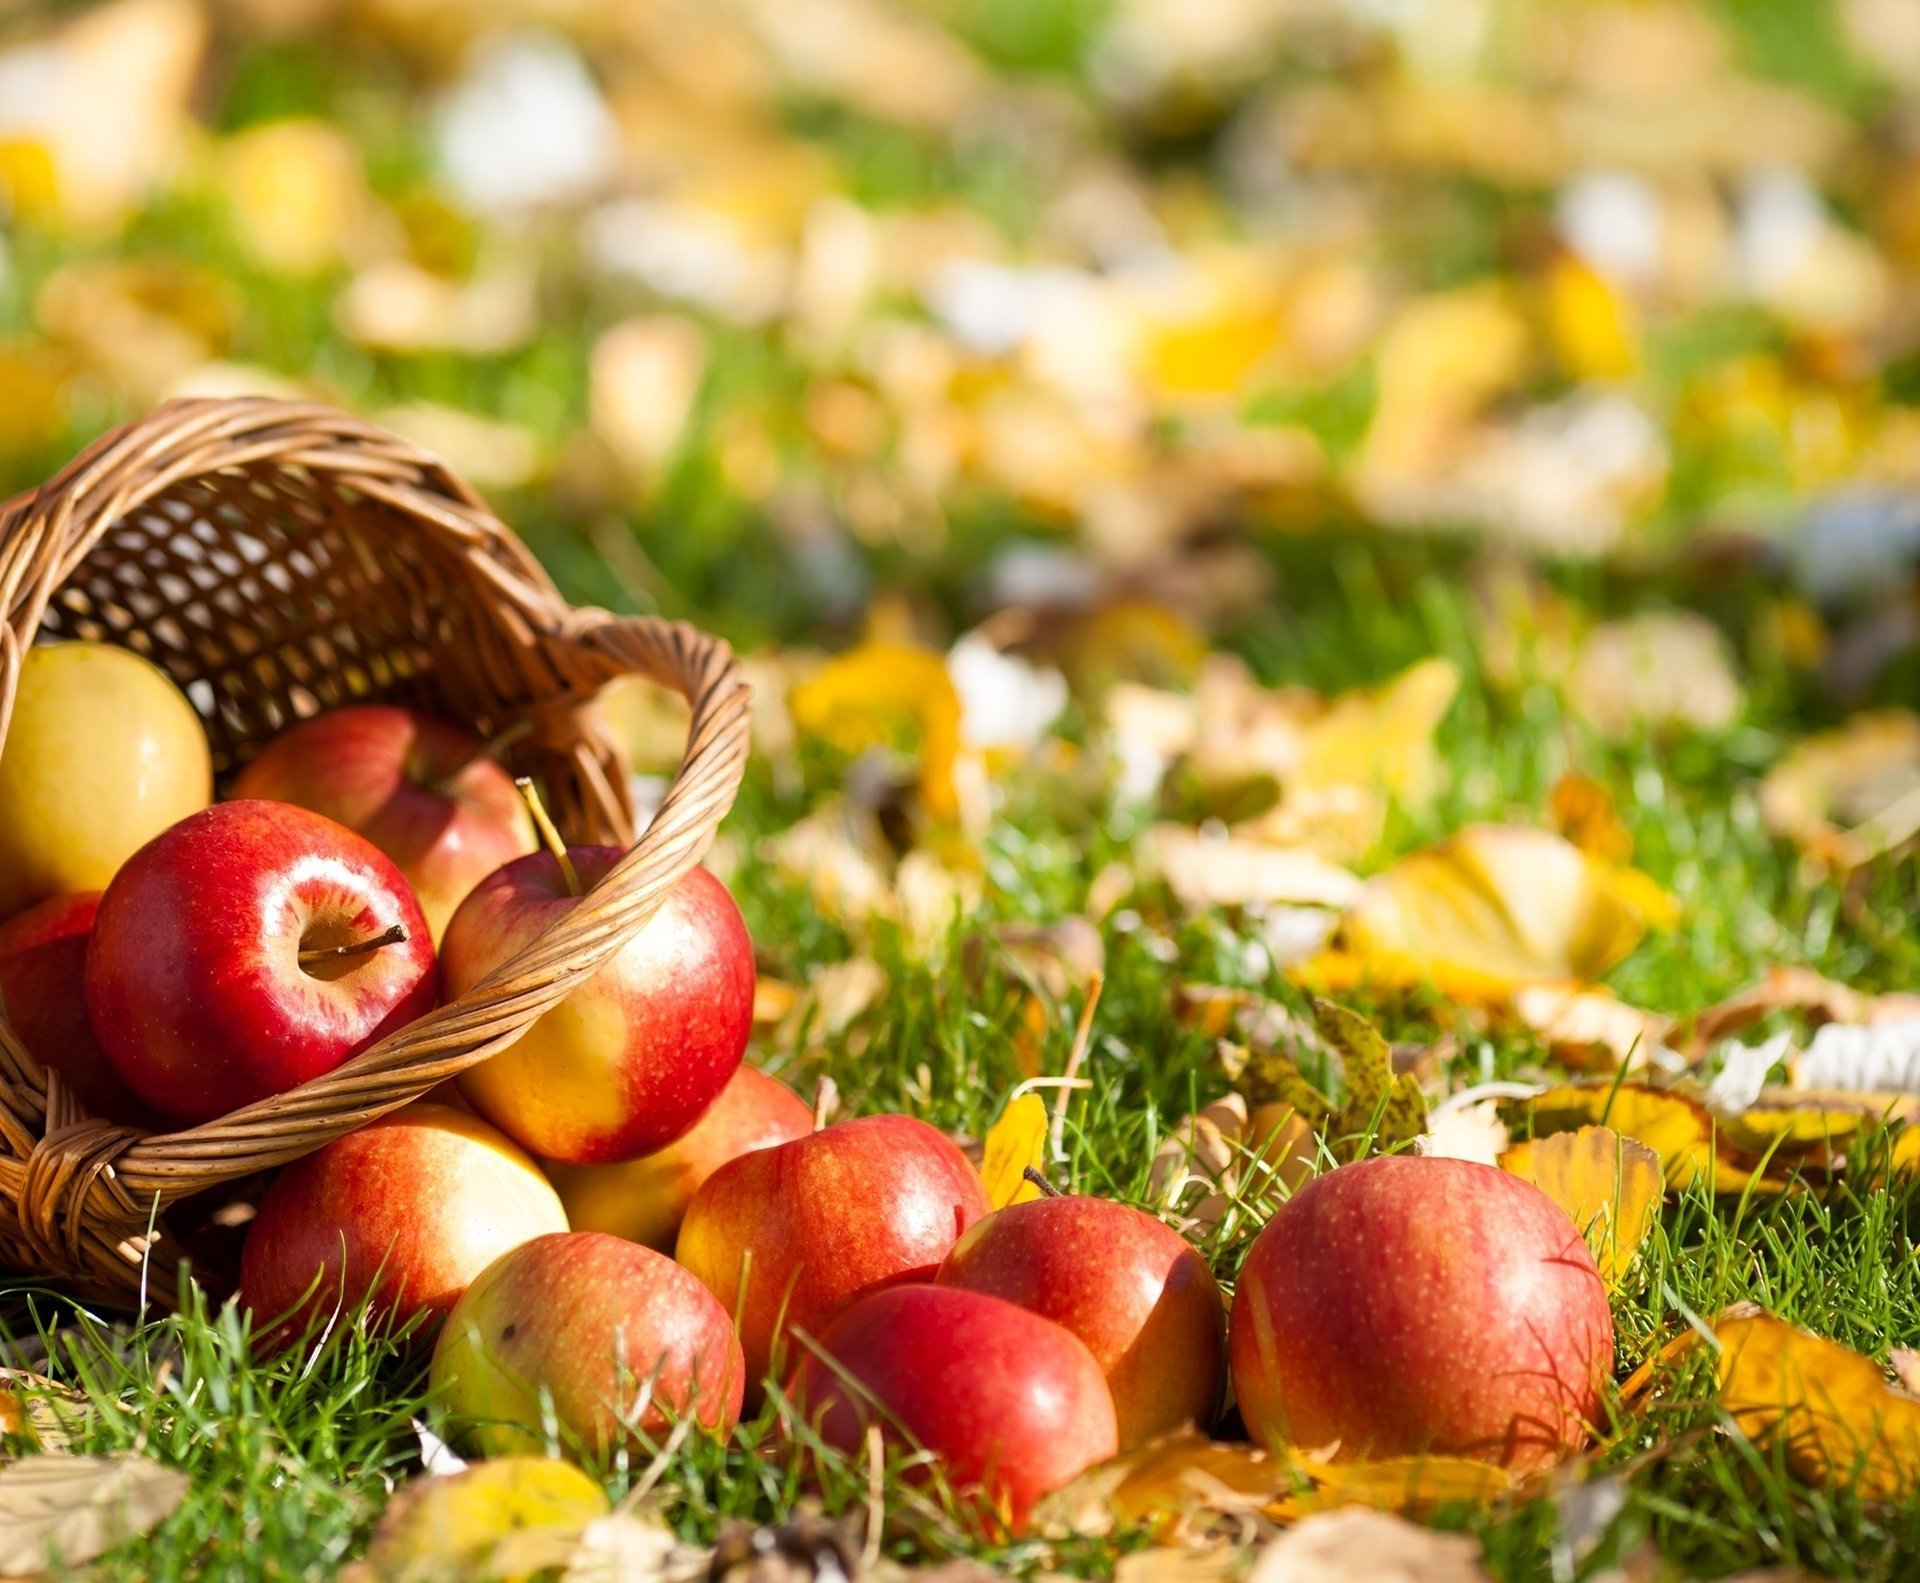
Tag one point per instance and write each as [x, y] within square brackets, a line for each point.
[249, 948]
[43, 993]
[102, 753]
[408, 1210]
[1408, 1305]
[787, 1237]
[1135, 1291]
[617, 1338]
[1013, 1405]
[633, 1057]
[420, 788]
[645, 1200]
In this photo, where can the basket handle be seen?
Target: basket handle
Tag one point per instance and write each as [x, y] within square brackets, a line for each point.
[589, 650]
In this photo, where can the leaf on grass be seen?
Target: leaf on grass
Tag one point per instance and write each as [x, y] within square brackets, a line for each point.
[1582, 810]
[1499, 906]
[1205, 871]
[1360, 1545]
[1871, 1060]
[1590, 1029]
[1653, 670]
[1830, 1408]
[1676, 1126]
[1380, 1107]
[458, 1522]
[630, 1547]
[1175, 1486]
[1180, 1564]
[895, 696]
[1465, 1132]
[1610, 1185]
[1833, 794]
[60, 1510]
[41, 1412]
[1789, 989]
[1015, 1142]
[1407, 1486]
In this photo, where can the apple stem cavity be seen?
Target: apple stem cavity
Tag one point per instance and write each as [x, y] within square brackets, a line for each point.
[1038, 1177]
[397, 935]
[549, 835]
[491, 749]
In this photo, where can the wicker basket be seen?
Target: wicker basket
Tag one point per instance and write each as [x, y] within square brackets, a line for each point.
[277, 559]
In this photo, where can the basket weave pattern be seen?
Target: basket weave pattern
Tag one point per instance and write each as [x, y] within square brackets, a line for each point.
[277, 559]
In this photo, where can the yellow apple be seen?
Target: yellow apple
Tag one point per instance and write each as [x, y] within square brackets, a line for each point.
[102, 754]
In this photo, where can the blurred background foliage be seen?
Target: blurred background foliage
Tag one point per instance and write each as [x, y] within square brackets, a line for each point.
[757, 311]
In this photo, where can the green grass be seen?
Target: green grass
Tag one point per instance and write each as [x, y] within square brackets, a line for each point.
[292, 1459]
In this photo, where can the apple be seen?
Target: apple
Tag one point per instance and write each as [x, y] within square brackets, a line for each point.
[645, 1200]
[616, 1338]
[634, 1056]
[1013, 1405]
[1135, 1291]
[1407, 1305]
[787, 1237]
[102, 753]
[409, 1209]
[249, 948]
[420, 788]
[43, 960]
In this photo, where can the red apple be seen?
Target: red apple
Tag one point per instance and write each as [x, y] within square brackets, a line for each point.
[43, 961]
[787, 1237]
[1013, 1405]
[619, 1338]
[408, 1209]
[418, 787]
[1135, 1291]
[241, 953]
[633, 1057]
[646, 1199]
[1409, 1305]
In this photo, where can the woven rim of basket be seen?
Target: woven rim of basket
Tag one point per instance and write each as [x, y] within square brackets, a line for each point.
[83, 1187]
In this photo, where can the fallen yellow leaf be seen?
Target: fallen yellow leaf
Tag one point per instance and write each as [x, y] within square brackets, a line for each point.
[1498, 906]
[454, 1525]
[1833, 793]
[1609, 1184]
[1408, 1486]
[888, 695]
[1676, 1126]
[1173, 1486]
[1831, 1408]
[1015, 1142]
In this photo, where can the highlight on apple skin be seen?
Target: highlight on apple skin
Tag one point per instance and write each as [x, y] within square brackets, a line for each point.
[1013, 1405]
[247, 949]
[1405, 1305]
[1135, 1291]
[405, 1212]
[633, 1057]
[646, 1199]
[617, 1340]
[787, 1237]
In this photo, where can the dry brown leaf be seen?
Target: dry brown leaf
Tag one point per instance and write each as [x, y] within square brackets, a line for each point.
[1590, 1030]
[1659, 669]
[1360, 1545]
[1181, 1564]
[1176, 1486]
[41, 1411]
[625, 1547]
[1834, 794]
[1611, 1187]
[1795, 989]
[1498, 906]
[1465, 1132]
[1829, 1407]
[60, 1511]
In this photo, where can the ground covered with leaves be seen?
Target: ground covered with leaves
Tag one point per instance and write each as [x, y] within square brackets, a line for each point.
[1224, 508]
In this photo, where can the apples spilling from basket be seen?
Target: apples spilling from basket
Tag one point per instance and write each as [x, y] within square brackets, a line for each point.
[173, 959]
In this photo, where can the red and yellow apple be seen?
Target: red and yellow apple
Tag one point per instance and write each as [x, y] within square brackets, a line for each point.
[645, 1200]
[617, 1338]
[1135, 1291]
[1013, 1405]
[418, 787]
[102, 753]
[787, 1237]
[407, 1210]
[43, 994]
[247, 949]
[634, 1056]
[1406, 1305]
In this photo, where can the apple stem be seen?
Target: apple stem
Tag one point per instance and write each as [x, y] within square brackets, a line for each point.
[492, 748]
[397, 935]
[549, 835]
[1035, 1175]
